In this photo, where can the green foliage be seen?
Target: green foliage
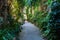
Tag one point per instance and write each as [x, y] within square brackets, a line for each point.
[41, 19]
[58, 0]
[13, 27]
[35, 2]
[21, 3]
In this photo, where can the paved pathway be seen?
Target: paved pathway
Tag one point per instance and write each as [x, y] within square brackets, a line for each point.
[30, 32]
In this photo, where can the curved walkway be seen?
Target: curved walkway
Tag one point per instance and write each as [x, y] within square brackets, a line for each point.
[30, 32]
